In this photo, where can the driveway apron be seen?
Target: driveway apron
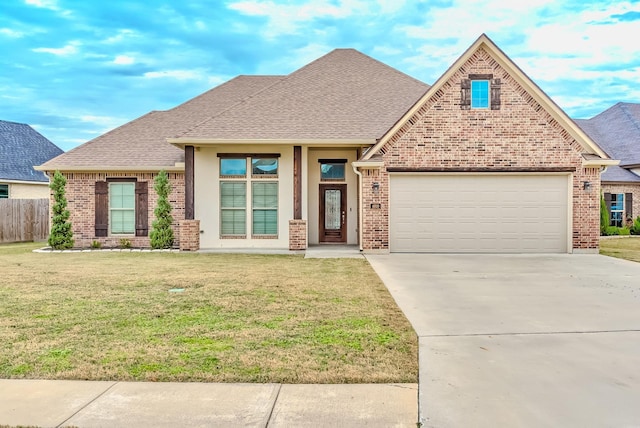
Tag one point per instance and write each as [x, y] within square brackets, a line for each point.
[522, 340]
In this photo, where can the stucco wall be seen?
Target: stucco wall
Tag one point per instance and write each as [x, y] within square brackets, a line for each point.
[207, 197]
[27, 191]
[521, 134]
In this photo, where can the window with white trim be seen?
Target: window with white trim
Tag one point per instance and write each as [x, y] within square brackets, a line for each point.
[4, 191]
[122, 208]
[617, 209]
[479, 94]
[259, 212]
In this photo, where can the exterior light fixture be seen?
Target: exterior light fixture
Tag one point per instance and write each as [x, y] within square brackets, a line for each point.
[586, 185]
[375, 187]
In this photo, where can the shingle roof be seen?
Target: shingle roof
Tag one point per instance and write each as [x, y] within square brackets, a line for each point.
[615, 173]
[21, 148]
[617, 131]
[142, 142]
[342, 95]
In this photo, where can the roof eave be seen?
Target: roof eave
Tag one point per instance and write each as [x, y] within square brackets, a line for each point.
[324, 142]
[178, 167]
[596, 162]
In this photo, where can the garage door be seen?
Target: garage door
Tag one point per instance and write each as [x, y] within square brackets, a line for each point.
[479, 213]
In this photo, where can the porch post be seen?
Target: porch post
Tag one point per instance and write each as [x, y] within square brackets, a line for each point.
[297, 182]
[189, 211]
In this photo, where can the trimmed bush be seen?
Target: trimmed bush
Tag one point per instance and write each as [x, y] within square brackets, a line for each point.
[61, 236]
[604, 216]
[161, 233]
[635, 229]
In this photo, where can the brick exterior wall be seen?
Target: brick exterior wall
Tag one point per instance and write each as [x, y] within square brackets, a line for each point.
[521, 134]
[626, 188]
[297, 234]
[189, 235]
[80, 193]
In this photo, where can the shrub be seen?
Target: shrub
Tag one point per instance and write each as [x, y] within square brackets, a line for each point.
[161, 233]
[125, 243]
[61, 236]
[635, 229]
[604, 216]
[624, 231]
[96, 244]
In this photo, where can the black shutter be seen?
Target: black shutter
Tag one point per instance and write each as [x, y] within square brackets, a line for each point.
[142, 222]
[495, 94]
[102, 209]
[628, 206]
[465, 94]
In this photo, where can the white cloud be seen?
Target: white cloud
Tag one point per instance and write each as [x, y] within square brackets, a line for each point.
[289, 18]
[11, 33]
[124, 60]
[44, 4]
[70, 49]
[120, 36]
[174, 74]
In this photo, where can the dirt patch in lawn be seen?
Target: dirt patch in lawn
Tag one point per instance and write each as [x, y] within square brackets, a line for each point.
[199, 317]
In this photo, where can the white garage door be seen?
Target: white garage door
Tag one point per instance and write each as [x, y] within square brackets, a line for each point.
[479, 213]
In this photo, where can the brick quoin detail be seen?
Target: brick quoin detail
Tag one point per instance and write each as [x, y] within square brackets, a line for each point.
[521, 134]
[297, 234]
[80, 193]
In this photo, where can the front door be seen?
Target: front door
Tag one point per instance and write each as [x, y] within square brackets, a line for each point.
[333, 213]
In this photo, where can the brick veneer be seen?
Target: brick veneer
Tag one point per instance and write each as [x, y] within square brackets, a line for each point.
[189, 235]
[80, 192]
[626, 188]
[521, 134]
[297, 234]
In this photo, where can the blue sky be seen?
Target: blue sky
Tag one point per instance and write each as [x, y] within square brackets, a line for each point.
[75, 69]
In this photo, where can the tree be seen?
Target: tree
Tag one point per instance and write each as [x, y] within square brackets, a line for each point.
[162, 233]
[61, 236]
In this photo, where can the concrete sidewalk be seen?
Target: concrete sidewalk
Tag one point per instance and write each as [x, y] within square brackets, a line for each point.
[82, 404]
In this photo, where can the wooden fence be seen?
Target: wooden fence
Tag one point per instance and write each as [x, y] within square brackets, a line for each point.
[24, 220]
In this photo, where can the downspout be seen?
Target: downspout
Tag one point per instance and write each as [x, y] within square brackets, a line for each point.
[359, 174]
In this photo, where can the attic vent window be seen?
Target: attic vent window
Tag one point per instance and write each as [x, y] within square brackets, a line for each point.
[480, 91]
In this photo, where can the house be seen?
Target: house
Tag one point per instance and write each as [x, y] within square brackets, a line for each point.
[617, 131]
[347, 150]
[22, 148]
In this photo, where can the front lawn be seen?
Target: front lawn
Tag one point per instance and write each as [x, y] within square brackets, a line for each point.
[199, 317]
[623, 248]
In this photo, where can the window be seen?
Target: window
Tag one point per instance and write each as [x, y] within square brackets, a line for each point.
[332, 170]
[479, 94]
[265, 208]
[4, 191]
[264, 166]
[617, 209]
[480, 91]
[122, 208]
[239, 211]
[233, 208]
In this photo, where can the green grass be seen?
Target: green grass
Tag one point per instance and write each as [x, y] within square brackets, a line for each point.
[622, 248]
[240, 318]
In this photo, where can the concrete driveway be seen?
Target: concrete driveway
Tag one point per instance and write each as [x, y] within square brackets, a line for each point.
[522, 340]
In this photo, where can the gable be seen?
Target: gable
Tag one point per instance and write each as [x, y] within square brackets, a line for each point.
[523, 117]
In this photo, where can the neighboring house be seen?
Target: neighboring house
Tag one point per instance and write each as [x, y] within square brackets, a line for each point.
[617, 131]
[22, 148]
[347, 150]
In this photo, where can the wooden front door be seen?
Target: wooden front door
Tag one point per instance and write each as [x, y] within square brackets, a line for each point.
[333, 213]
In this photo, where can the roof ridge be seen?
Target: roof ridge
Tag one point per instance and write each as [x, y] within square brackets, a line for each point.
[632, 119]
[243, 100]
